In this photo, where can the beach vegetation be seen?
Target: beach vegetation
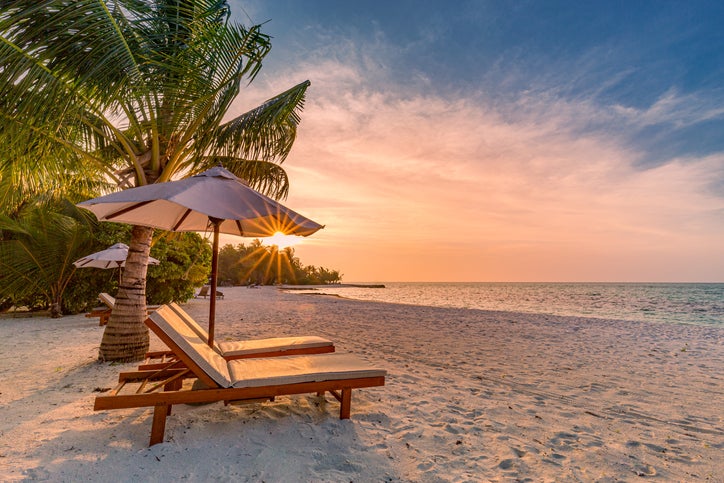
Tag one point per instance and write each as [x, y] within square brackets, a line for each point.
[39, 243]
[185, 263]
[130, 93]
[36, 255]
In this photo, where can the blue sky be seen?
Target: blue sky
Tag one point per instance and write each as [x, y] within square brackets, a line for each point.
[551, 131]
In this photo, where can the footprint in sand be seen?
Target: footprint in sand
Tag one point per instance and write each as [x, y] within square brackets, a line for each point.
[655, 447]
[506, 464]
[644, 470]
[518, 452]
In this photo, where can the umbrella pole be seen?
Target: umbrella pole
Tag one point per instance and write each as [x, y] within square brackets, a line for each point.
[214, 268]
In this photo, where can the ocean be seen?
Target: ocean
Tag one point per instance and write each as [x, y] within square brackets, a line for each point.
[678, 303]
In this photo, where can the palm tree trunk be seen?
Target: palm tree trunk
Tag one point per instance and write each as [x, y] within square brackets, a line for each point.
[55, 310]
[125, 338]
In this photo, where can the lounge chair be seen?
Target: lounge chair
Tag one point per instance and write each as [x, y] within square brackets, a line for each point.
[104, 312]
[237, 380]
[204, 292]
[242, 349]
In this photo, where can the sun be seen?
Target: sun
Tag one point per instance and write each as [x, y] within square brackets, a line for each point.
[281, 240]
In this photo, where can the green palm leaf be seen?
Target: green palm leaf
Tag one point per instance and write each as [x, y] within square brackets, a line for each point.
[38, 249]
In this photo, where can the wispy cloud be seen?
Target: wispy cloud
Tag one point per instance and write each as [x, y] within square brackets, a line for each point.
[675, 109]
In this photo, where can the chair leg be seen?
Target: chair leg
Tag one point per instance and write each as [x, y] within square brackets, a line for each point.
[346, 404]
[158, 428]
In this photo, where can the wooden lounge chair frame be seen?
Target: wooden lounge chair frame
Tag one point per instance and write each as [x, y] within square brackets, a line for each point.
[162, 389]
[157, 360]
[104, 313]
[204, 292]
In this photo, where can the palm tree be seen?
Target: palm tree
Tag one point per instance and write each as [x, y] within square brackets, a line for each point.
[137, 90]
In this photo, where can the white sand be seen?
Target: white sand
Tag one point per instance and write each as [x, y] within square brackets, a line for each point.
[470, 396]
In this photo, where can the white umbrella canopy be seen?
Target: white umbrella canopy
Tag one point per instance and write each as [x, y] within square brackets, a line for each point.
[192, 204]
[112, 257]
[214, 199]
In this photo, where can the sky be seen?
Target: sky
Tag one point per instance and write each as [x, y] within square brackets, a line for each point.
[530, 141]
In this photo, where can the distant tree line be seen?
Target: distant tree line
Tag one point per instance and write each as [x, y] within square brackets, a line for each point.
[258, 264]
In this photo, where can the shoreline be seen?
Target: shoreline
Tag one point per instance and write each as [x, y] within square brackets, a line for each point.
[513, 313]
[625, 302]
[470, 395]
[330, 285]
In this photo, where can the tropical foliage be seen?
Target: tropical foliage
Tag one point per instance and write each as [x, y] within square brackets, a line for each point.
[39, 244]
[37, 251]
[258, 264]
[135, 92]
[185, 264]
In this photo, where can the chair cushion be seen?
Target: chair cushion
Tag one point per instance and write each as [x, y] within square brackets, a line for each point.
[107, 299]
[191, 344]
[277, 344]
[200, 331]
[245, 347]
[297, 369]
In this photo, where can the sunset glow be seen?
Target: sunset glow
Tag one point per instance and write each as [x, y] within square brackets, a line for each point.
[281, 240]
[535, 155]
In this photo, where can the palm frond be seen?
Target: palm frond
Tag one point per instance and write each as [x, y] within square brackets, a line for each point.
[34, 183]
[132, 85]
[38, 250]
[264, 176]
[213, 67]
[266, 132]
[65, 65]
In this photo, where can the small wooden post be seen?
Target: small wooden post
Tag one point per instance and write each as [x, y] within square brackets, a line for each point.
[160, 411]
[346, 404]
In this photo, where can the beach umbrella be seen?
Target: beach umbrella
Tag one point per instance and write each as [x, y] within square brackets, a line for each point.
[213, 200]
[112, 257]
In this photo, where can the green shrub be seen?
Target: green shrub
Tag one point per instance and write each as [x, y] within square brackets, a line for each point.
[185, 264]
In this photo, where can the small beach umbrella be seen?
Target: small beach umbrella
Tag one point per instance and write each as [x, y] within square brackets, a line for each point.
[112, 257]
[214, 199]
